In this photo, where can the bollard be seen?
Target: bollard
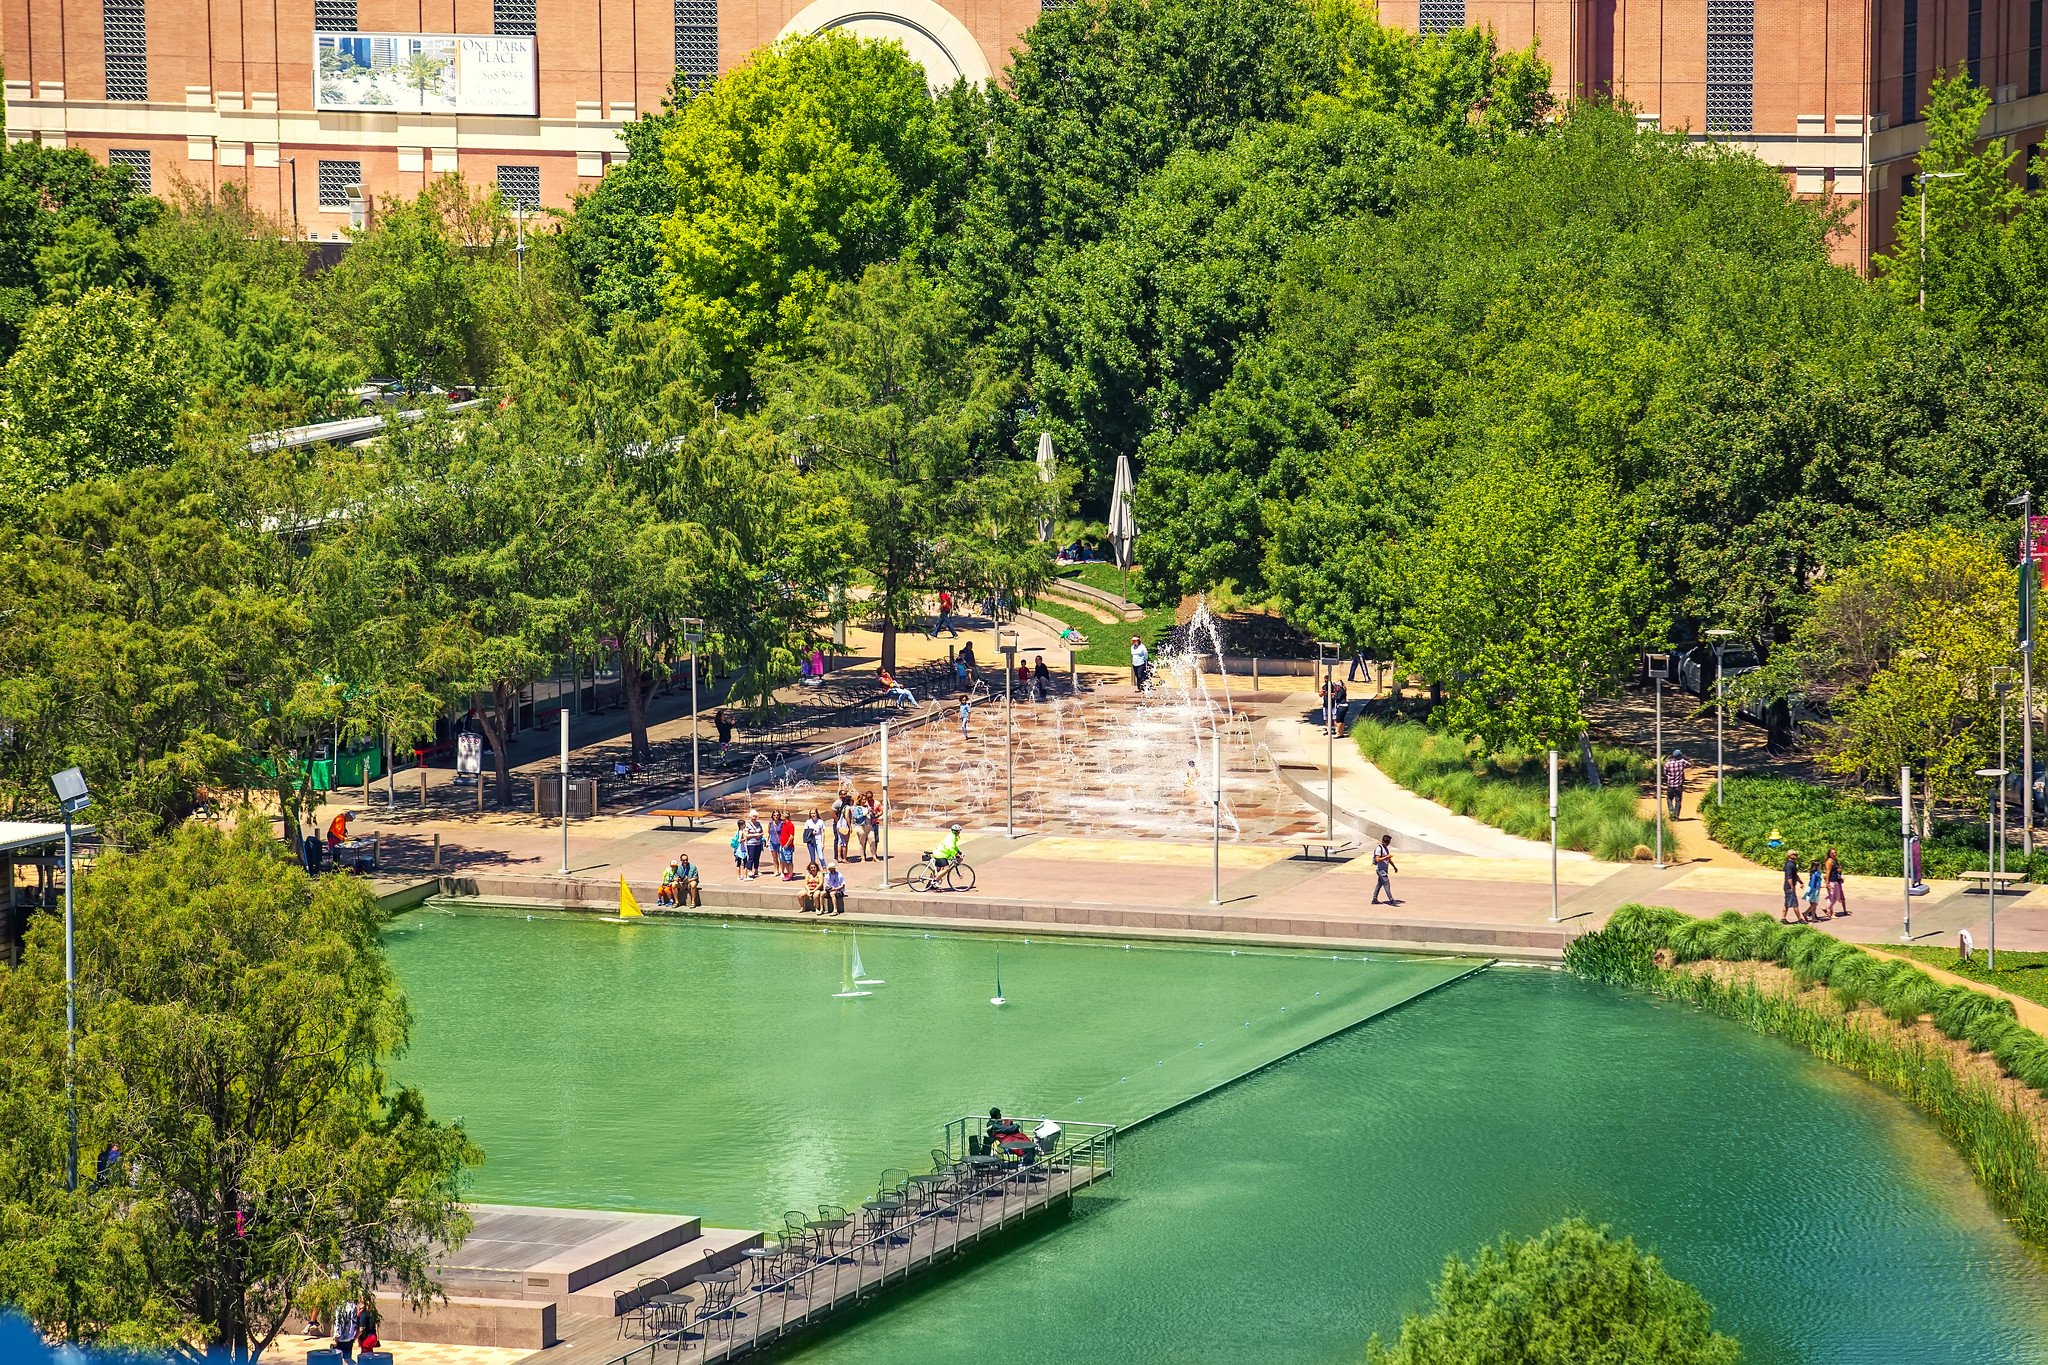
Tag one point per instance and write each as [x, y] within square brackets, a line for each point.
[479, 793]
[1255, 672]
[423, 780]
[437, 850]
[377, 848]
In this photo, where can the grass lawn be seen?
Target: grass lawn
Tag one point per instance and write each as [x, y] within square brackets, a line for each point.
[1865, 836]
[1511, 792]
[1108, 577]
[2023, 974]
[1109, 642]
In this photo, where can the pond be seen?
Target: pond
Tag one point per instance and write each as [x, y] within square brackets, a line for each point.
[1284, 1217]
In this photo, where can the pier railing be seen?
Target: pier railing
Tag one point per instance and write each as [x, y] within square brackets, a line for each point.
[951, 1210]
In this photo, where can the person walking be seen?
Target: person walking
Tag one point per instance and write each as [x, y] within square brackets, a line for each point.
[348, 1318]
[1791, 886]
[1383, 869]
[945, 618]
[1674, 781]
[1812, 911]
[1837, 900]
[966, 709]
[1141, 664]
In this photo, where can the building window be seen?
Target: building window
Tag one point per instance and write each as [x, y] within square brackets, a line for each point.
[1909, 64]
[136, 159]
[519, 186]
[335, 178]
[2034, 48]
[1731, 65]
[334, 16]
[2033, 179]
[697, 41]
[1441, 16]
[127, 49]
[512, 18]
[1974, 46]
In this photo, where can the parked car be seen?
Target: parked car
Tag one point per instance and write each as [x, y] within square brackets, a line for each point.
[1696, 674]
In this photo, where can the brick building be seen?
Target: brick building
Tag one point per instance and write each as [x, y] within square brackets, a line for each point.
[531, 94]
[526, 94]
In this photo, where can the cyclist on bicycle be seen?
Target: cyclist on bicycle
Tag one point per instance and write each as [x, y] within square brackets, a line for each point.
[948, 851]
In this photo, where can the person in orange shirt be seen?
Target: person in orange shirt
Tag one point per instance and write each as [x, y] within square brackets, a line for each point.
[337, 830]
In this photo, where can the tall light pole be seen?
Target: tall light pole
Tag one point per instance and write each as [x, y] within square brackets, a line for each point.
[1906, 850]
[883, 814]
[1997, 779]
[1006, 645]
[565, 791]
[693, 633]
[1923, 178]
[1659, 665]
[2003, 687]
[1327, 654]
[1553, 836]
[1720, 639]
[72, 797]
[2028, 584]
[1216, 836]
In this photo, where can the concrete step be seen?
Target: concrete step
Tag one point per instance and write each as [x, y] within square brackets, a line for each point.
[460, 1320]
[714, 1250]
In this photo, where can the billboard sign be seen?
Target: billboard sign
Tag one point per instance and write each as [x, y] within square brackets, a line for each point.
[424, 73]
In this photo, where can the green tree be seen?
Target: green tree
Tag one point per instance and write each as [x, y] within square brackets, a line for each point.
[1570, 1295]
[896, 412]
[95, 388]
[44, 191]
[234, 1020]
[613, 235]
[812, 160]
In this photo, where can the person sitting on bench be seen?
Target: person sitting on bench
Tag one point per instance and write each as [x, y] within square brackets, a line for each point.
[665, 894]
[689, 890]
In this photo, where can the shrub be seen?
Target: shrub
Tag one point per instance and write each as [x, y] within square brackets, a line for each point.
[1511, 791]
[1570, 1295]
[1864, 836]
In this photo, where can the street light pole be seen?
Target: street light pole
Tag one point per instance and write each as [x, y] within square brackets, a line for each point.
[693, 633]
[1553, 836]
[1997, 778]
[1720, 638]
[882, 815]
[72, 797]
[1006, 645]
[1659, 665]
[565, 791]
[1906, 850]
[1326, 655]
[2004, 689]
[1216, 816]
[2029, 583]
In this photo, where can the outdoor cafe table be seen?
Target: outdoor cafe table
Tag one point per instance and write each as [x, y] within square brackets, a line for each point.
[674, 1309]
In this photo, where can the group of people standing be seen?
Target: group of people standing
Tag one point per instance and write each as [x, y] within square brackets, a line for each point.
[1822, 876]
[852, 832]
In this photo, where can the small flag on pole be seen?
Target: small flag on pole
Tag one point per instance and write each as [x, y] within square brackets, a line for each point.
[628, 907]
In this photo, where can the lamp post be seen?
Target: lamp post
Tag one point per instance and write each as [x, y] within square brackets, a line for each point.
[564, 713]
[1553, 836]
[1906, 850]
[1720, 639]
[1006, 645]
[882, 815]
[693, 634]
[72, 797]
[2028, 584]
[1997, 778]
[1658, 666]
[1923, 178]
[1216, 816]
[2003, 688]
[1328, 652]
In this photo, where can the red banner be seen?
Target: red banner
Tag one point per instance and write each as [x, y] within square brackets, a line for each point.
[2037, 532]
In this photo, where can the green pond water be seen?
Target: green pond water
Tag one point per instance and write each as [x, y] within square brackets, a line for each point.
[1282, 1218]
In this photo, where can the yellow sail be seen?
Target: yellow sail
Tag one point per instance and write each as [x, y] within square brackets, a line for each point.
[628, 907]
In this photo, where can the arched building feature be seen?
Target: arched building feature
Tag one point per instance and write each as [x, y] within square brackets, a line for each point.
[934, 39]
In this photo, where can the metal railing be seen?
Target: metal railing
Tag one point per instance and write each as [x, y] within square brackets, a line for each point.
[943, 1214]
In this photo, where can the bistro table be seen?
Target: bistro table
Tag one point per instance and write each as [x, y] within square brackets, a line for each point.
[763, 1257]
[831, 1228]
[672, 1311]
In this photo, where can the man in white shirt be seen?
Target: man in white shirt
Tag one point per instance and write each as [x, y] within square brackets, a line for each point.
[1141, 663]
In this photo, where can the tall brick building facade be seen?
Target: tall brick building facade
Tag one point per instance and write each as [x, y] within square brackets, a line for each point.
[216, 90]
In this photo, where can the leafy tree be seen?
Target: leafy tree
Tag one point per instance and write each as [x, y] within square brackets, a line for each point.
[613, 235]
[812, 160]
[95, 388]
[1570, 1295]
[44, 191]
[234, 1019]
[894, 411]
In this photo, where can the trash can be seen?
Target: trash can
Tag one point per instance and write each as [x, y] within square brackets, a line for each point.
[547, 796]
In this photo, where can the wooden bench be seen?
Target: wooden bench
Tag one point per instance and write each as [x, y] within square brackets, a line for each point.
[1329, 849]
[693, 816]
[1982, 878]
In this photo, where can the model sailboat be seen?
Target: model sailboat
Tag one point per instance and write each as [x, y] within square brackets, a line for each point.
[997, 998]
[629, 908]
[851, 987]
[860, 973]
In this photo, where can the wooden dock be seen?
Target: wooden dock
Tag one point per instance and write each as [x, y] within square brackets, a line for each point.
[777, 1296]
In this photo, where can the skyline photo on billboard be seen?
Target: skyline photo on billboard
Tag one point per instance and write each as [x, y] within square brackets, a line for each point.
[424, 73]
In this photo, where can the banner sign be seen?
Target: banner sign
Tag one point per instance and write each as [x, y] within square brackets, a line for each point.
[424, 73]
[2030, 584]
[469, 753]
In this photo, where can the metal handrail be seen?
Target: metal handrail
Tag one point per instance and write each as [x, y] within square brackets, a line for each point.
[821, 1284]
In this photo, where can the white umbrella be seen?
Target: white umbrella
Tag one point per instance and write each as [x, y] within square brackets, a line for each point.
[1123, 530]
[1045, 468]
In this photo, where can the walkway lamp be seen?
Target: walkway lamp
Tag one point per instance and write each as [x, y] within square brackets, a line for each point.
[1658, 666]
[1006, 644]
[1720, 639]
[693, 635]
[1553, 836]
[564, 793]
[1906, 878]
[2003, 689]
[72, 797]
[1996, 776]
[1328, 654]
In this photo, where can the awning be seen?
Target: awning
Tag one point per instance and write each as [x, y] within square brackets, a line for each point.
[16, 835]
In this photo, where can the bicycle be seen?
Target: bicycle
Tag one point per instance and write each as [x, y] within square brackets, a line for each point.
[956, 875]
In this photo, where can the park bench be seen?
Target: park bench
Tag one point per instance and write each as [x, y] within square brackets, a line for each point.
[1980, 878]
[1330, 848]
[693, 816]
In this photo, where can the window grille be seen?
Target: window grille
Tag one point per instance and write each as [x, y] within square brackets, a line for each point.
[136, 159]
[519, 185]
[512, 18]
[1974, 45]
[2034, 48]
[1909, 64]
[1731, 65]
[127, 49]
[697, 41]
[334, 16]
[1441, 16]
[335, 178]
